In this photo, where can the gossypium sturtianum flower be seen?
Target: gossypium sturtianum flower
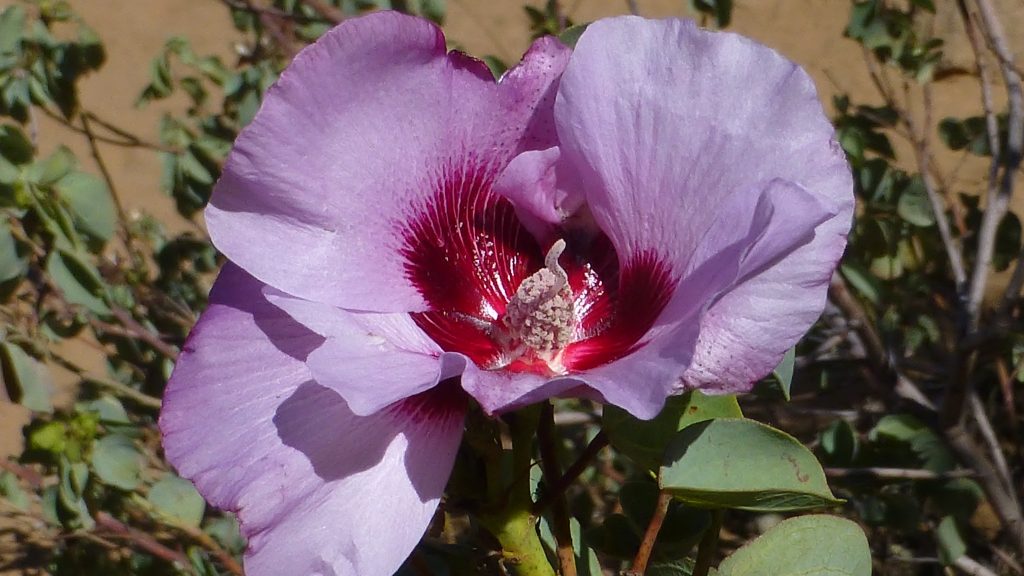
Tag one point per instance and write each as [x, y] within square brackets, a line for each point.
[658, 210]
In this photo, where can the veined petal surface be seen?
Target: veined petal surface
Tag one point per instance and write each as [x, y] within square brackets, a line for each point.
[315, 486]
[663, 123]
[356, 139]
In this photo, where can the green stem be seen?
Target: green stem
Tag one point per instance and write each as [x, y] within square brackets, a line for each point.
[513, 522]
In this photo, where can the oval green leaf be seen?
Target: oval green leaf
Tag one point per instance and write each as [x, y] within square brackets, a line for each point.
[644, 440]
[78, 281]
[177, 500]
[739, 463]
[90, 202]
[117, 462]
[816, 544]
[28, 378]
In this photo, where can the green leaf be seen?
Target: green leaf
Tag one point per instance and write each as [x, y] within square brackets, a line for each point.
[12, 24]
[951, 543]
[644, 440]
[12, 265]
[177, 500]
[78, 281]
[814, 545]
[840, 443]
[739, 463]
[116, 461]
[52, 168]
[90, 203]
[784, 371]
[109, 409]
[28, 378]
[14, 146]
[862, 281]
[572, 34]
[913, 205]
[915, 435]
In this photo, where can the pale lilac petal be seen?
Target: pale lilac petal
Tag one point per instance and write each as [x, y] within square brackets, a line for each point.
[542, 190]
[358, 345]
[358, 133]
[318, 489]
[745, 238]
[664, 122]
[502, 391]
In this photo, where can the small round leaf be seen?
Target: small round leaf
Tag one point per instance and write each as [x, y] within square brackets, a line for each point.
[815, 544]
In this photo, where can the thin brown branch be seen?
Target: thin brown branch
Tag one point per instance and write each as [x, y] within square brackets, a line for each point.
[546, 441]
[112, 386]
[572, 473]
[1005, 505]
[142, 541]
[997, 201]
[897, 474]
[142, 333]
[643, 555]
[326, 11]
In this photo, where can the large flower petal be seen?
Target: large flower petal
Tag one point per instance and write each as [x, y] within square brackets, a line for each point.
[663, 122]
[745, 238]
[318, 489]
[362, 130]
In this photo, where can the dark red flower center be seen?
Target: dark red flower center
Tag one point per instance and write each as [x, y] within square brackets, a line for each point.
[493, 298]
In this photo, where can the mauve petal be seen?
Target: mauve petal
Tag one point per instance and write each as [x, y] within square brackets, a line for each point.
[745, 238]
[349, 145]
[318, 489]
[664, 122]
[357, 345]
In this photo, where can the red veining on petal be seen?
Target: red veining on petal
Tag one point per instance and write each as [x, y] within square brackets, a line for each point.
[440, 403]
[467, 253]
[644, 287]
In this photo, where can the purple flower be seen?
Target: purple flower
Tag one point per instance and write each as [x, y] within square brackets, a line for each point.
[658, 211]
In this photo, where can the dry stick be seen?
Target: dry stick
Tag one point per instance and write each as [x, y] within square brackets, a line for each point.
[559, 507]
[143, 333]
[897, 473]
[643, 555]
[572, 473]
[143, 541]
[971, 567]
[113, 386]
[326, 11]
[998, 198]
[992, 441]
[968, 451]
[921, 143]
[206, 541]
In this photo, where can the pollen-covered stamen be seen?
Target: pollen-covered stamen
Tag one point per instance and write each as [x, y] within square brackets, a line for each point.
[539, 317]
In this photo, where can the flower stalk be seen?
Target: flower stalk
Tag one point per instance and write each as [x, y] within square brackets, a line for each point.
[513, 522]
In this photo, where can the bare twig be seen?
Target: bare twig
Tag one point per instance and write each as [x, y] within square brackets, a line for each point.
[142, 333]
[1005, 505]
[112, 386]
[998, 198]
[325, 10]
[560, 485]
[988, 434]
[897, 473]
[969, 566]
[560, 527]
[142, 541]
[643, 555]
